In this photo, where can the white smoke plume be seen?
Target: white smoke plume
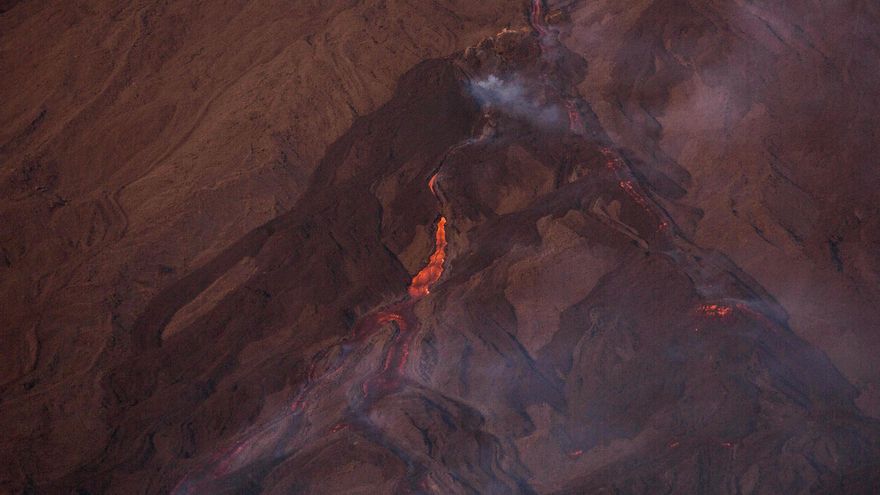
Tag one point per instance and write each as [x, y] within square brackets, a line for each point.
[512, 97]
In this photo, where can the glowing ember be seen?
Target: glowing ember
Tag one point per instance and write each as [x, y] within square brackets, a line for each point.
[575, 453]
[421, 283]
[611, 160]
[714, 310]
[628, 184]
[629, 188]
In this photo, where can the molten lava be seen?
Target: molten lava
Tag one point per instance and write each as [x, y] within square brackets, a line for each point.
[430, 274]
[715, 310]
[575, 124]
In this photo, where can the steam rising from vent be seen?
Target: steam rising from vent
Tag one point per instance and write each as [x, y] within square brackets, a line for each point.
[511, 97]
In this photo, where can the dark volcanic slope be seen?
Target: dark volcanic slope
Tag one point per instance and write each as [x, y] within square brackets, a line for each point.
[772, 110]
[596, 326]
[140, 139]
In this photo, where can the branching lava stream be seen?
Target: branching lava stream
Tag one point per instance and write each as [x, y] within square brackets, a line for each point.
[394, 327]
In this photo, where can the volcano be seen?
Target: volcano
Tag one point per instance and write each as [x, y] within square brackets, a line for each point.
[440, 247]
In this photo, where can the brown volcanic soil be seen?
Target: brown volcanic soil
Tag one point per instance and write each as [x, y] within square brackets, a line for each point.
[771, 111]
[139, 140]
[673, 293]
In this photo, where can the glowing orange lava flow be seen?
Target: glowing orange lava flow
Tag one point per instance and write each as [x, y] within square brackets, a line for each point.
[432, 185]
[714, 310]
[430, 274]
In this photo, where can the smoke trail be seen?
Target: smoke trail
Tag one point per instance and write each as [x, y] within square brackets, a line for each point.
[512, 97]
